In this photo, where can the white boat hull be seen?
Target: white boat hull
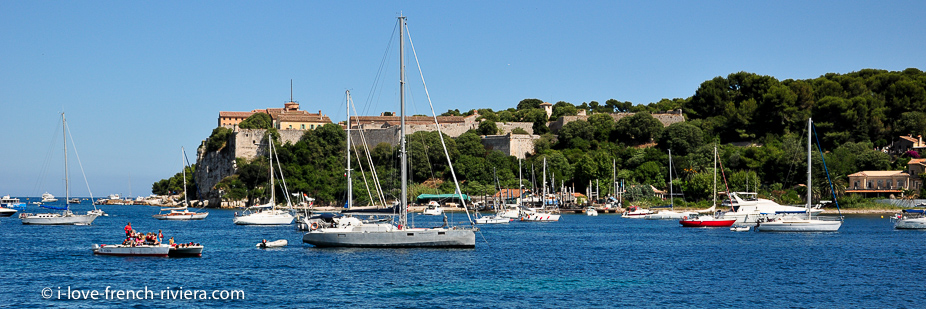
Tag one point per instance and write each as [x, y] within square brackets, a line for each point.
[182, 216]
[916, 223]
[540, 217]
[7, 212]
[492, 220]
[273, 244]
[178, 251]
[394, 238]
[668, 215]
[799, 225]
[57, 219]
[264, 218]
[121, 250]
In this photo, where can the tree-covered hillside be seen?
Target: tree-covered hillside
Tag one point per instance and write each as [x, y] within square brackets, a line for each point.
[758, 123]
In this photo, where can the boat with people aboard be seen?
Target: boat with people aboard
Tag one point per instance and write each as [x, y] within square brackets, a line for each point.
[910, 219]
[185, 250]
[12, 203]
[635, 212]
[350, 231]
[161, 250]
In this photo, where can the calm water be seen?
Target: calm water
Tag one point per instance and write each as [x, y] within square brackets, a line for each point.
[581, 261]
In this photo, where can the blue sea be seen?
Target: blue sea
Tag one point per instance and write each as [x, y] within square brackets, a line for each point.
[580, 261]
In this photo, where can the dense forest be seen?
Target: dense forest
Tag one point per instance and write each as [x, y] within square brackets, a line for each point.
[757, 122]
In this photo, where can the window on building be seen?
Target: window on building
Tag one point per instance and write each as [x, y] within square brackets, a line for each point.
[312, 126]
[290, 126]
[880, 183]
[870, 185]
[303, 127]
[900, 183]
[890, 184]
[856, 185]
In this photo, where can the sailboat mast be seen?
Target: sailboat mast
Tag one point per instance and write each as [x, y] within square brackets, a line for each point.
[671, 195]
[714, 193]
[273, 200]
[350, 188]
[403, 218]
[543, 197]
[186, 199]
[67, 184]
[809, 192]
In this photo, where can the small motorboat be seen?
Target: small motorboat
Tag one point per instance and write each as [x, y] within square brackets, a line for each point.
[494, 219]
[740, 228]
[272, 244]
[590, 211]
[635, 212]
[696, 220]
[434, 209]
[185, 250]
[124, 250]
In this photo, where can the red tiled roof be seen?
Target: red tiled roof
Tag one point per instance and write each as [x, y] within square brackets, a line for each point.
[509, 193]
[236, 114]
[304, 118]
[909, 138]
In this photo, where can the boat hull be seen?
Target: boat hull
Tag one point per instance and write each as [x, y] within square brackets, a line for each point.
[492, 220]
[258, 219]
[406, 238]
[57, 219]
[540, 217]
[7, 212]
[192, 216]
[786, 225]
[706, 223]
[918, 223]
[120, 250]
[188, 251]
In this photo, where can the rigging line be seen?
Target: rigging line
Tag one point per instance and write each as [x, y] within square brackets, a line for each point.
[40, 181]
[74, 145]
[725, 185]
[199, 194]
[289, 203]
[363, 140]
[440, 134]
[820, 149]
[382, 64]
[357, 152]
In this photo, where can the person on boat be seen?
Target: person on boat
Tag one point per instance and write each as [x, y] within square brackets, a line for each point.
[172, 244]
[128, 229]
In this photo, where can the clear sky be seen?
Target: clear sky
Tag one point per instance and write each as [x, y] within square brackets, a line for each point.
[139, 79]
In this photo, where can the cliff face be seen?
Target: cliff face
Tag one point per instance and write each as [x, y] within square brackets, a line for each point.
[212, 167]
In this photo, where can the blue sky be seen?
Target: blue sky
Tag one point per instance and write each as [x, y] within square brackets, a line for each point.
[138, 80]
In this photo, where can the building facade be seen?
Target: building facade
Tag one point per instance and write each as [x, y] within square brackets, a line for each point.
[290, 117]
[881, 183]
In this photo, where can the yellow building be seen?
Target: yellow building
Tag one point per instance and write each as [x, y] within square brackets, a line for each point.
[287, 118]
[888, 182]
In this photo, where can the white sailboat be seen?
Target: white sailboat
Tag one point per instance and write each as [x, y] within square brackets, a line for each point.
[267, 214]
[802, 222]
[910, 219]
[669, 214]
[349, 231]
[181, 213]
[542, 214]
[65, 217]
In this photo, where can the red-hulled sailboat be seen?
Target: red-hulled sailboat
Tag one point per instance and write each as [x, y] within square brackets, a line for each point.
[696, 220]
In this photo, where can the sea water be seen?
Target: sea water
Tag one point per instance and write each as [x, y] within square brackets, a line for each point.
[580, 261]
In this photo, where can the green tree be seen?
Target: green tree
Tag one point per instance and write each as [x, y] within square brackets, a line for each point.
[529, 104]
[487, 127]
[218, 139]
[257, 121]
[563, 108]
[681, 137]
[638, 129]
